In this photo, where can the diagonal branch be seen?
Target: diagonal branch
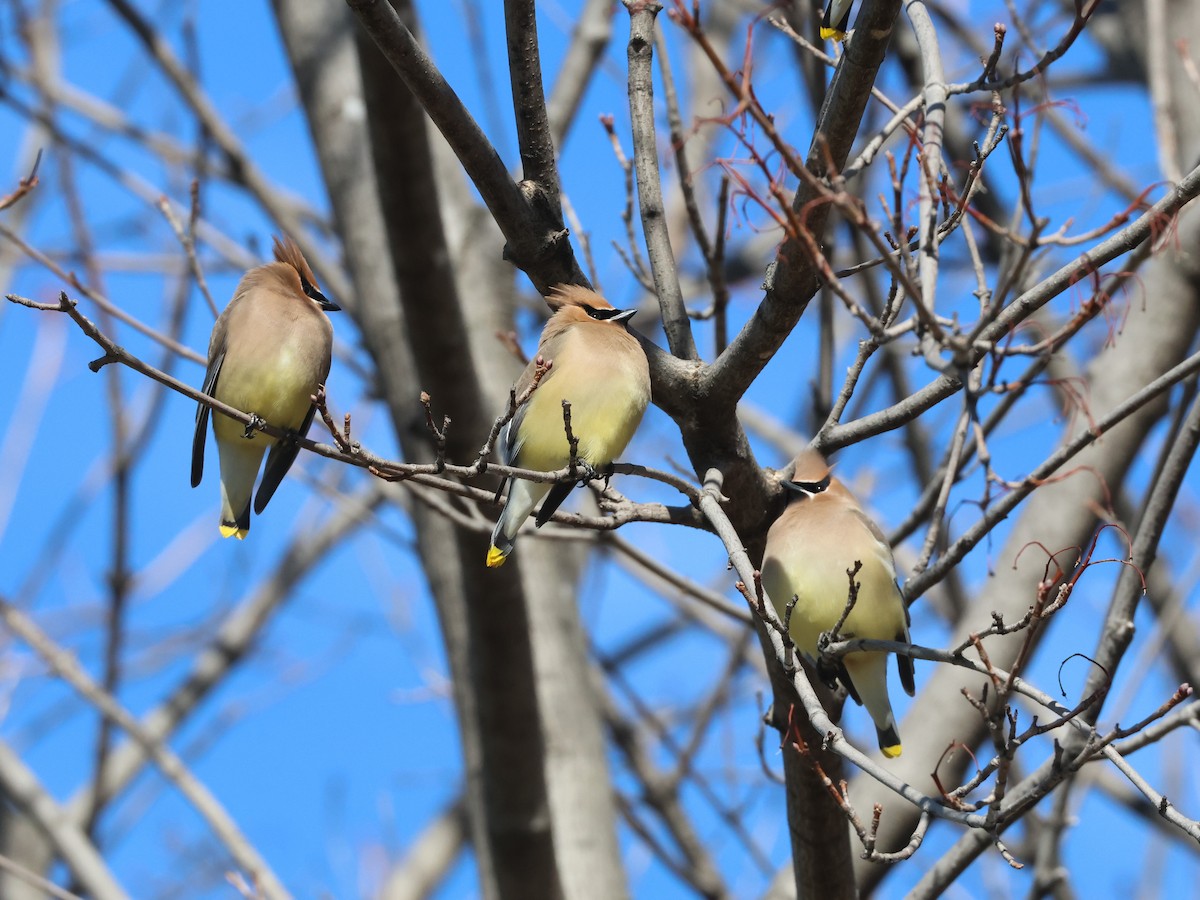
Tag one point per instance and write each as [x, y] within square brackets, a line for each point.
[1151, 225]
[21, 786]
[172, 767]
[792, 278]
[237, 635]
[537, 242]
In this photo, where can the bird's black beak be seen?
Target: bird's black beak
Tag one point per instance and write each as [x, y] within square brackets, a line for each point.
[623, 315]
[325, 303]
[310, 291]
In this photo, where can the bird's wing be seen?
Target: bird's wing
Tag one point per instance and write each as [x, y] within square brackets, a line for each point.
[509, 442]
[210, 384]
[904, 664]
[508, 445]
[279, 460]
[880, 538]
[554, 499]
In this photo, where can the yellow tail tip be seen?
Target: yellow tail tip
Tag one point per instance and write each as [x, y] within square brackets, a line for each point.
[495, 558]
[832, 34]
[893, 751]
[228, 531]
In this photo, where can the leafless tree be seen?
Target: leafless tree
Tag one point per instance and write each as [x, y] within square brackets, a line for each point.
[1014, 310]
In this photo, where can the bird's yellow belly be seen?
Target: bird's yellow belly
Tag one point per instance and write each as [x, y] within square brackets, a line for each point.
[603, 424]
[815, 611]
[823, 591]
[276, 387]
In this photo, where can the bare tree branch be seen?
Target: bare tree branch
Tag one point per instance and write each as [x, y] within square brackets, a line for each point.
[22, 787]
[65, 666]
[645, 153]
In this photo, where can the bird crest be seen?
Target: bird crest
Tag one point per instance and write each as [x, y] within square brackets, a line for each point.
[287, 252]
[564, 295]
[810, 467]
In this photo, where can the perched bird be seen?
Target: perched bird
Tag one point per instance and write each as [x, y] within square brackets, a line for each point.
[269, 351]
[820, 535]
[836, 21]
[601, 369]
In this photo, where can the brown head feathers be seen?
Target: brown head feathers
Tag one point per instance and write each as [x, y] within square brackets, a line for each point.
[290, 274]
[810, 467]
[573, 305]
[564, 295]
[288, 253]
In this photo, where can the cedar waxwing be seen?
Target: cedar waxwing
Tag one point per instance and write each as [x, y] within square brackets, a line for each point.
[602, 370]
[822, 533]
[269, 351]
[836, 21]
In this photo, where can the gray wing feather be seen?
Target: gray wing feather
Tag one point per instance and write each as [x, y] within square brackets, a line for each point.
[508, 444]
[904, 664]
[279, 460]
[202, 409]
[554, 499]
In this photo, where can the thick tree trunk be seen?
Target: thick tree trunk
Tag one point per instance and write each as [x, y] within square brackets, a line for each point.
[539, 792]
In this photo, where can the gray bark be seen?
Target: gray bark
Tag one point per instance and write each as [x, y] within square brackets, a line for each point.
[539, 790]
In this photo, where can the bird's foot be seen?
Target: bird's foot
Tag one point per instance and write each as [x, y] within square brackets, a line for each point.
[585, 471]
[827, 673]
[608, 474]
[256, 422]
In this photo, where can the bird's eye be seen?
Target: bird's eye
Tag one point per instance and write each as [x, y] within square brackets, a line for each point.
[311, 292]
[813, 487]
[600, 314]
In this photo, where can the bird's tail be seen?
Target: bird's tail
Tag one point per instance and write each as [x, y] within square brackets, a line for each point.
[836, 21]
[239, 469]
[869, 672]
[498, 552]
[522, 498]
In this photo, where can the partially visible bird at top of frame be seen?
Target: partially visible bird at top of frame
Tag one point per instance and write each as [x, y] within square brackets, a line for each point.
[599, 367]
[269, 352]
[820, 535]
[836, 21]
